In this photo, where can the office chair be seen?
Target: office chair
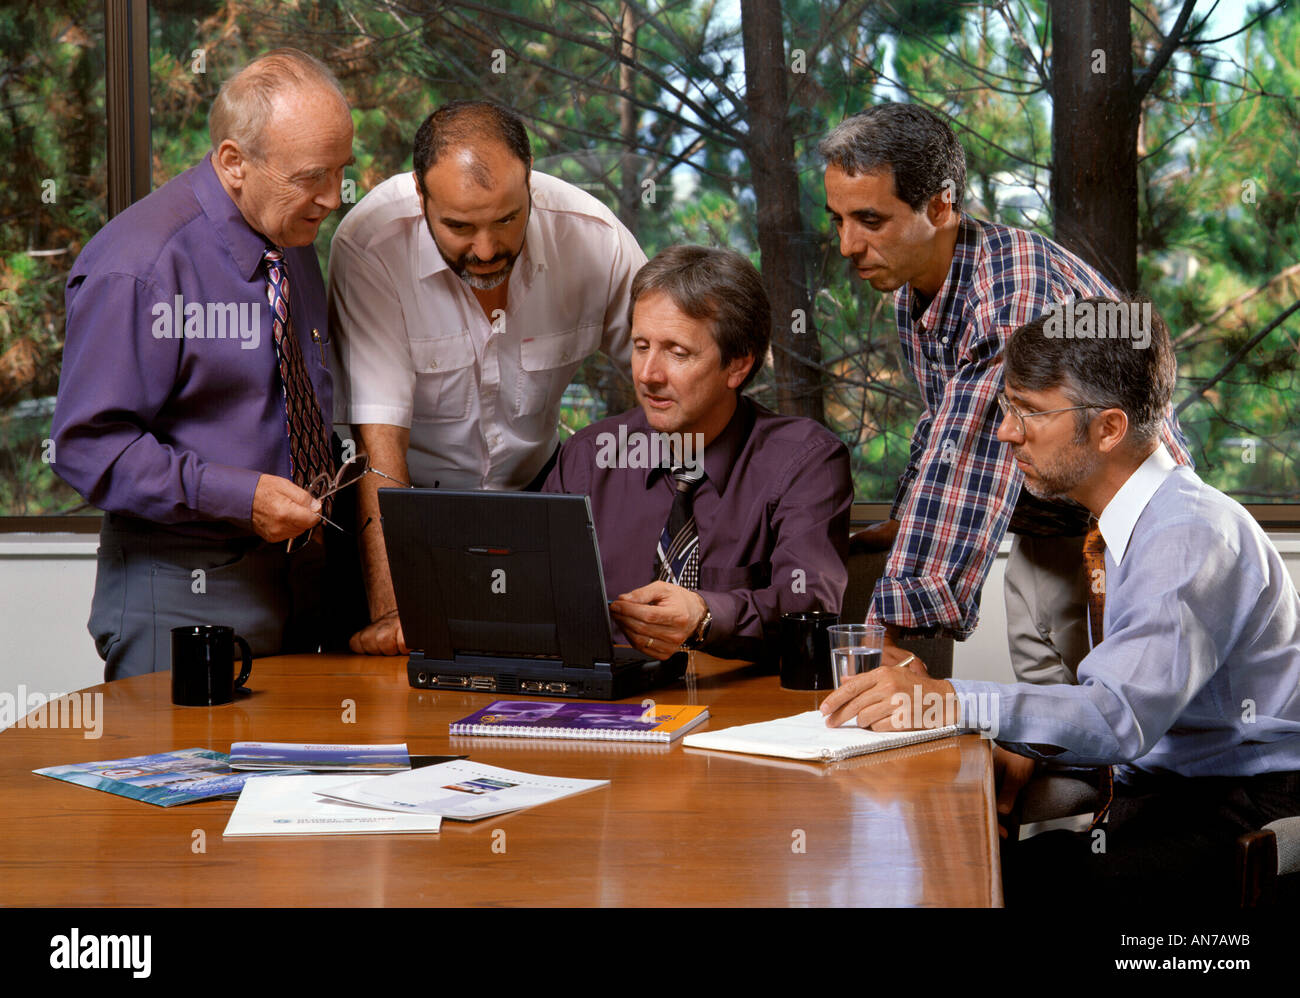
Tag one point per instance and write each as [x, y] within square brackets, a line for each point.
[1267, 862]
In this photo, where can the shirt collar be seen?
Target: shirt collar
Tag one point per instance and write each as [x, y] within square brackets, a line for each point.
[244, 243]
[949, 305]
[1121, 514]
[720, 454]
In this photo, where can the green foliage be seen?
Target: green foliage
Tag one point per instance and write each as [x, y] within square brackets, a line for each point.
[661, 136]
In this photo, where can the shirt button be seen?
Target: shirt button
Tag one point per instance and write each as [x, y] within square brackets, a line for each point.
[433, 364]
[944, 341]
[934, 366]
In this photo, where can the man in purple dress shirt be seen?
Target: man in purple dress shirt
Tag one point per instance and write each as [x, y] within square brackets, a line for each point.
[171, 414]
[771, 511]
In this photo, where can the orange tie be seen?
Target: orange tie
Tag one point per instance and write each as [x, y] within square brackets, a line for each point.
[1094, 560]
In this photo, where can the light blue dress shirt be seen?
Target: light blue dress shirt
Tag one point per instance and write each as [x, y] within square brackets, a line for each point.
[1199, 670]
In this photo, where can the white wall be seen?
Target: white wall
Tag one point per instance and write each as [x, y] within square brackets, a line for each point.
[46, 581]
[45, 585]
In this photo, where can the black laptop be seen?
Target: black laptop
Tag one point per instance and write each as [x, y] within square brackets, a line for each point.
[503, 592]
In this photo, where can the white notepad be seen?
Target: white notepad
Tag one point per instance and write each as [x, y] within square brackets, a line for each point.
[805, 736]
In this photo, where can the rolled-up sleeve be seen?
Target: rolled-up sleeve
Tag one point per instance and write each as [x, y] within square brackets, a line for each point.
[956, 508]
[373, 372]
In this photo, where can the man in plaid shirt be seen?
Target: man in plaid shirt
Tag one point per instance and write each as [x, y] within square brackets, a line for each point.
[895, 177]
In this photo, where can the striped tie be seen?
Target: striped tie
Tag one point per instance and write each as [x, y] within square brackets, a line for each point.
[309, 445]
[677, 558]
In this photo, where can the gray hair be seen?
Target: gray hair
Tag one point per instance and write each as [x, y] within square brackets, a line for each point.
[718, 285]
[1125, 360]
[246, 100]
[910, 141]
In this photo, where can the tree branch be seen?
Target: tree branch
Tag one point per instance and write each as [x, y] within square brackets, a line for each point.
[1168, 47]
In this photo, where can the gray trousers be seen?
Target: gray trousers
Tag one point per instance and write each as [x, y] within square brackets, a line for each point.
[1046, 594]
[149, 580]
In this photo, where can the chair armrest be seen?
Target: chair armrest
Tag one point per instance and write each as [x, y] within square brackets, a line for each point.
[1287, 831]
[1055, 796]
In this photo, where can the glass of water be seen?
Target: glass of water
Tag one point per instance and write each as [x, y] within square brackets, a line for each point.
[854, 648]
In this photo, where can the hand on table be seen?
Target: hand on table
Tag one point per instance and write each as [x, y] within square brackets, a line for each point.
[657, 618]
[890, 698]
[382, 637]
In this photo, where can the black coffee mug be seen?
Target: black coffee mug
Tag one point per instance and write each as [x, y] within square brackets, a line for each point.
[806, 650]
[203, 665]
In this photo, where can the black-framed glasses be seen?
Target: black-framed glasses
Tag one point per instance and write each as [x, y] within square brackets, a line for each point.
[323, 486]
[1010, 410]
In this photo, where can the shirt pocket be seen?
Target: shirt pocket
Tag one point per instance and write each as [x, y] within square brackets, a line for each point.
[547, 363]
[721, 580]
[444, 378]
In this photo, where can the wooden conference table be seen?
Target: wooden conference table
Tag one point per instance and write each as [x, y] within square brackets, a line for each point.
[676, 826]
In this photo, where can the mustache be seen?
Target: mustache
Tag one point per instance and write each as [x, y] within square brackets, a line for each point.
[470, 260]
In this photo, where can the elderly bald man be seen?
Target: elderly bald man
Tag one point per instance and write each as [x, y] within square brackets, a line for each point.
[194, 401]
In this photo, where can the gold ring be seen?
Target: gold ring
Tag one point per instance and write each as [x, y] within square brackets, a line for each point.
[650, 642]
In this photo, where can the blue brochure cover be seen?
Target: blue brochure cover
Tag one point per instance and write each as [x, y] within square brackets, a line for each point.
[342, 758]
[165, 779]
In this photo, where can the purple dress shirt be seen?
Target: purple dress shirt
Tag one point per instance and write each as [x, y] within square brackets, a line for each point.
[170, 401]
[772, 514]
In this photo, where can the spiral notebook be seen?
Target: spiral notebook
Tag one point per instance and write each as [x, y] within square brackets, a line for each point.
[631, 722]
[805, 736]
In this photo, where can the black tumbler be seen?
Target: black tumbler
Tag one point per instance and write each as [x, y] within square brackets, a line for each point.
[203, 665]
[806, 650]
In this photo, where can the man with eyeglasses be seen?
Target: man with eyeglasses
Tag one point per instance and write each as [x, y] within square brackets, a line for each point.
[895, 179]
[194, 399]
[1190, 690]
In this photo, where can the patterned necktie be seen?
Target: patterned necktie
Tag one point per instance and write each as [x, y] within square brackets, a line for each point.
[309, 446]
[1094, 560]
[677, 558]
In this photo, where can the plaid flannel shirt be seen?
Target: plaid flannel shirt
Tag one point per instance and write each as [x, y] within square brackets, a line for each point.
[961, 487]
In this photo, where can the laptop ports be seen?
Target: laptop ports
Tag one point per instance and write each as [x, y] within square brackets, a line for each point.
[557, 687]
[483, 682]
[532, 686]
[461, 681]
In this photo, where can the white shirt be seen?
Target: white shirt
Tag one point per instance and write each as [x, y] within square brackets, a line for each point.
[412, 347]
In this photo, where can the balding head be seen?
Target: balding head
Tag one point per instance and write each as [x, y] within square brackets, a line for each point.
[462, 129]
[246, 102]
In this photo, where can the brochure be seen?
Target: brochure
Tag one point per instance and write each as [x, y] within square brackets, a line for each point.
[165, 779]
[330, 758]
[292, 805]
[464, 791]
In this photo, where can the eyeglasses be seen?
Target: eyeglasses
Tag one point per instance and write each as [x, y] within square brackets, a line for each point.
[322, 487]
[1010, 410]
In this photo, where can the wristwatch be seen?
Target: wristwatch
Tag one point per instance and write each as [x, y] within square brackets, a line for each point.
[702, 632]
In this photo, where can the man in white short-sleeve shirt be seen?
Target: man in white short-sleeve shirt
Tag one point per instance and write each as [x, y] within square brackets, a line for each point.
[464, 297]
